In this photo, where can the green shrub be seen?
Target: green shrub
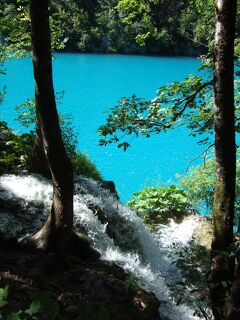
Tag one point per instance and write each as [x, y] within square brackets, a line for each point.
[15, 150]
[159, 204]
[193, 261]
[44, 307]
[82, 165]
[198, 184]
[41, 304]
[26, 116]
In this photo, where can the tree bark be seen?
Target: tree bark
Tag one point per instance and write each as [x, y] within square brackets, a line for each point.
[225, 145]
[38, 162]
[57, 230]
[225, 153]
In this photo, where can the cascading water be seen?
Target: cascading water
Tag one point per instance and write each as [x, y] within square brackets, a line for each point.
[113, 229]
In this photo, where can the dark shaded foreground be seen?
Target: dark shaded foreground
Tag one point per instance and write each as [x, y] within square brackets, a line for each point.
[72, 282]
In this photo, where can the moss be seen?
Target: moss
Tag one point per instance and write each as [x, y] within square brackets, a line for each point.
[223, 217]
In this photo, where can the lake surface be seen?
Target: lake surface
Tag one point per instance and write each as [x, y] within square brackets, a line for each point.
[93, 84]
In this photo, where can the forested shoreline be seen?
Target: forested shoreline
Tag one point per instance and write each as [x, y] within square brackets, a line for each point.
[132, 27]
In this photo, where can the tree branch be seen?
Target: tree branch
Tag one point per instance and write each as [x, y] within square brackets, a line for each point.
[191, 98]
[204, 152]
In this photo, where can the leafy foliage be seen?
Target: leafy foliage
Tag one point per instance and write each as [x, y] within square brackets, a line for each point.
[15, 26]
[26, 116]
[156, 22]
[159, 204]
[197, 22]
[187, 103]
[4, 292]
[199, 187]
[41, 304]
[82, 165]
[155, 26]
[139, 12]
[45, 307]
[15, 150]
[16, 29]
[70, 24]
[188, 23]
[193, 261]
[193, 192]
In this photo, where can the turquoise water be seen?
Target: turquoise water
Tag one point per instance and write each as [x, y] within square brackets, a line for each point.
[93, 84]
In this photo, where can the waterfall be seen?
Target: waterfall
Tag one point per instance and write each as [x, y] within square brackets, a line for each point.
[113, 229]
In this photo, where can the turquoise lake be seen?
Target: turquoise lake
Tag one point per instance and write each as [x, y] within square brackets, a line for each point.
[93, 84]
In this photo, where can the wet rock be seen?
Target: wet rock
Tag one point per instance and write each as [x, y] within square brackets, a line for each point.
[18, 225]
[109, 185]
[117, 228]
[204, 233]
[146, 301]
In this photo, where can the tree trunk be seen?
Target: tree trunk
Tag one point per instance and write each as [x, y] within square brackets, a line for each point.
[225, 153]
[38, 162]
[225, 146]
[57, 230]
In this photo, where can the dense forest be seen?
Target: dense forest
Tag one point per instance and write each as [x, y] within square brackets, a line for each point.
[69, 249]
[146, 27]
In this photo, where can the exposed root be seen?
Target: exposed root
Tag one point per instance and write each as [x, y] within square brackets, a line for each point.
[77, 245]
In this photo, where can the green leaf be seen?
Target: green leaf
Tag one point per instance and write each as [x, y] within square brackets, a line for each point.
[14, 316]
[45, 304]
[34, 308]
[4, 293]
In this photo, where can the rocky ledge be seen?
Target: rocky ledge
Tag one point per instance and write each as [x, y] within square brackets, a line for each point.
[75, 285]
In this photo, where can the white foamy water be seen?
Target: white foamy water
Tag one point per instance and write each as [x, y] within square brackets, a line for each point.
[27, 187]
[118, 234]
[181, 234]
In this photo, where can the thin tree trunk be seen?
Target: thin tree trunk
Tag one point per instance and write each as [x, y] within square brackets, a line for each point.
[225, 153]
[38, 162]
[56, 232]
